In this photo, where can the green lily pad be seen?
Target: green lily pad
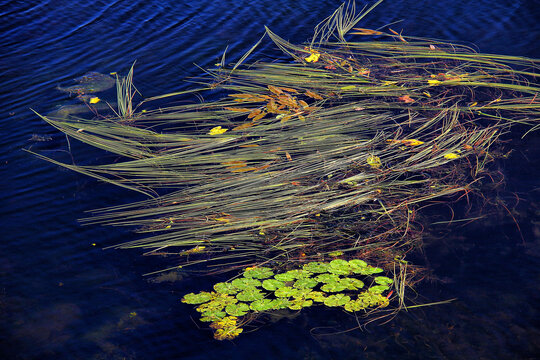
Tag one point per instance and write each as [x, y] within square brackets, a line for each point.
[280, 303]
[298, 304]
[250, 294]
[261, 305]
[199, 298]
[327, 278]
[317, 296]
[355, 305]
[225, 288]
[316, 267]
[209, 316]
[370, 270]
[224, 299]
[272, 284]
[285, 277]
[259, 273]
[373, 299]
[239, 309]
[337, 300]
[339, 267]
[285, 291]
[351, 283]
[378, 289]
[301, 293]
[244, 283]
[333, 287]
[307, 283]
[357, 263]
[212, 306]
[383, 280]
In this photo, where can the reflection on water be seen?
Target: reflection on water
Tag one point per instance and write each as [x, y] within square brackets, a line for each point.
[62, 297]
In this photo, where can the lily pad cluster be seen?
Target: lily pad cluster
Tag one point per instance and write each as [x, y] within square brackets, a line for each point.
[335, 284]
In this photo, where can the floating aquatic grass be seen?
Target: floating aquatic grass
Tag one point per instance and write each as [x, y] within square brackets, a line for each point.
[331, 155]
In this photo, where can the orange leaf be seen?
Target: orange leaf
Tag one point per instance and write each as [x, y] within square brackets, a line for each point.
[275, 89]
[248, 145]
[243, 126]
[259, 117]
[288, 156]
[366, 32]
[254, 113]
[313, 95]
[406, 99]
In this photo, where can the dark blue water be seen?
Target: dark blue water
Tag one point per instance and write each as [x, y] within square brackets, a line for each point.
[63, 297]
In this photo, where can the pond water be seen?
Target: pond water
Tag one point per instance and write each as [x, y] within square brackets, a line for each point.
[63, 297]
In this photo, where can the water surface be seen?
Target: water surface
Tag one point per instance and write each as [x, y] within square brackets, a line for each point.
[63, 297]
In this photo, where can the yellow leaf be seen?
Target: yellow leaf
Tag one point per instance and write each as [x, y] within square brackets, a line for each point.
[412, 142]
[94, 100]
[427, 94]
[451, 156]
[374, 161]
[218, 130]
[222, 219]
[314, 57]
[348, 87]
[433, 82]
[387, 83]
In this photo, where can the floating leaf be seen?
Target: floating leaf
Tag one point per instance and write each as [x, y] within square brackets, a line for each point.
[258, 273]
[218, 130]
[355, 305]
[244, 283]
[298, 304]
[314, 57]
[227, 333]
[94, 100]
[280, 303]
[333, 287]
[316, 267]
[307, 283]
[210, 316]
[239, 309]
[262, 305]
[286, 291]
[243, 126]
[378, 289]
[199, 298]
[374, 161]
[250, 294]
[285, 277]
[451, 156]
[351, 283]
[337, 300]
[210, 306]
[226, 322]
[327, 278]
[313, 95]
[272, 284]
[383, 280]
[339, 267]
[225, 288]
[317, 296]
[357, 264]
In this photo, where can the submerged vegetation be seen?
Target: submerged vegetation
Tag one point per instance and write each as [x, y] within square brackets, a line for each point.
[305, 167]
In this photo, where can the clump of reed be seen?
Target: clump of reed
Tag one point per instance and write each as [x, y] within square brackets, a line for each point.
[328, 156]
